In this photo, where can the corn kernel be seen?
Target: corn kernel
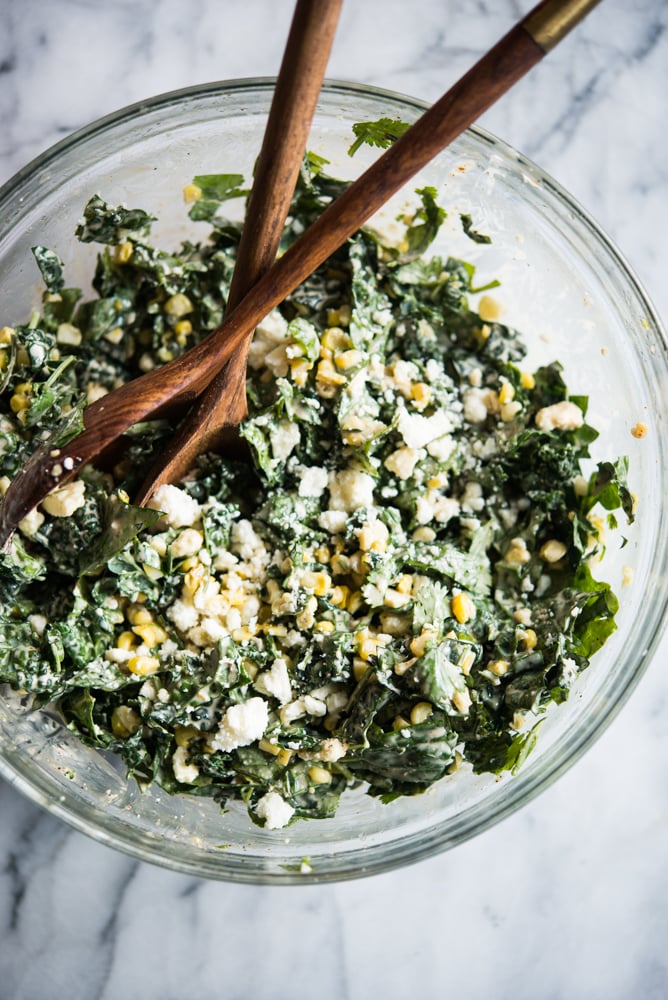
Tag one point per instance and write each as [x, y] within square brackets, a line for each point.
[184, 735]
[421, 712]
[325, 627]
[639, 430]
[467, 661]
[335, 339]
[19, 402]
[394, 599]
[462, 701]
[191, 193]
[152, 634]
[320, 583]
[7, 334]
[138, 615]
[527, 380]
[463, 608]
[283, 756]
[506, 393]
[306, 617]
[404, 584]
[373, 537]
[400, 723]
[323, 554]
[419, 643]
[319, 775]
[348, 359]
[143, 665]
[299, 369]
[498, 667]
[126, 640]
[528, 638]
[552, 551]
[326, 373]
[421, 395]
[123, 252]
[489, 309]
[339, 596]
[178, 305]
[360, 668]
[125, 721]
[270, 748]
[355, 601]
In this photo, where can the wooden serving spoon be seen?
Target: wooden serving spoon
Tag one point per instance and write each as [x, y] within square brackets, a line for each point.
[223, 403]
[184, 379]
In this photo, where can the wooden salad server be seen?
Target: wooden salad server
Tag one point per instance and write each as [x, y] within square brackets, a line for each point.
[184, 379]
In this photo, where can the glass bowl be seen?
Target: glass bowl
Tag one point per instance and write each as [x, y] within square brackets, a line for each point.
[562, 283]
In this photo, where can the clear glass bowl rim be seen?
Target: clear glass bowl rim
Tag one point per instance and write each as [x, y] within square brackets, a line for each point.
[523, 788]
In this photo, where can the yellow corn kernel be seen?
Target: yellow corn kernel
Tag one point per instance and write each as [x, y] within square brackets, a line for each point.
[123, 252]
[529, 638]
[19, 402]
[7, 334]
[421, 395]
[191, 193]
[125, 721]
[340, 564]
[3, 360]
[403, 667]
[320, 583]
[552, 551]
[143, 665]
[354, 602]
[489, 309]
[527, 380]
[335, 339]
[498, 667]
[270, 748]
[463, 608]
[126, 640]
[184, 735]
[299, 369]
[152, 634]
[327, 373]
[366, 648]
[421, 712]
[338, 317]
[138, 615]
[283, 756]
[394, 599]
[517, 552]
[323, 554]
[325, 627]
[373, 537]
[178, 305]
[360, 667]
[319, 775]
[400, 723]
[348, 359]
[506, 393]
[462, 701]
[467, 661]
[404, 584]
[419, 643]
[193, 579]
[339, 596]
[306, 617]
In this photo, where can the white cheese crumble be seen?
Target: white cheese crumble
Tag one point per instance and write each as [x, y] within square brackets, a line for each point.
[64, 500]
[179, 508]
[241, 725]
[183, 772]
[274, 810]
[562, 416]
[350, 489]
[275, 682]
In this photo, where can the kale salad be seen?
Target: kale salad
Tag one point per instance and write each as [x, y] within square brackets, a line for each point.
[390, 579]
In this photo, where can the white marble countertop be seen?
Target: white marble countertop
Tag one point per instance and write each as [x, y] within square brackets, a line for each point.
[565, 899]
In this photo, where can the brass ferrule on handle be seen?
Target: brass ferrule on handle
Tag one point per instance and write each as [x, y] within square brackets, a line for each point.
[551, 20]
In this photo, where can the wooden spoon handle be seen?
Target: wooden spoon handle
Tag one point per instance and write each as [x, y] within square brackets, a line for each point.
[223, 402]
[186, 377]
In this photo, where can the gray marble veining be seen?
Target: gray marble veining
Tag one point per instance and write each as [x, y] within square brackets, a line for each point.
[567, 898]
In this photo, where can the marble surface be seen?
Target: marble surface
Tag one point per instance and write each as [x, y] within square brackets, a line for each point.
[565, 899]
